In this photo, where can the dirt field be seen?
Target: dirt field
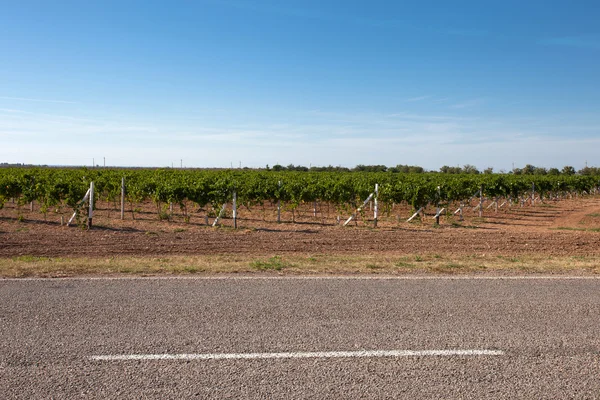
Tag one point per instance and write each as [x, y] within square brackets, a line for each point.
[569, 228]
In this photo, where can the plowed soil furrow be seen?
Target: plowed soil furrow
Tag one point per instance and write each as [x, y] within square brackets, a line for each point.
[570, 227]
[331, 240]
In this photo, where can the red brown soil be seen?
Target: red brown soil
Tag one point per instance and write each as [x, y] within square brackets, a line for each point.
[567, 227]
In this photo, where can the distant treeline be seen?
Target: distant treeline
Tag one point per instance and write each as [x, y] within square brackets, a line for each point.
[466, 169]
[400, 168]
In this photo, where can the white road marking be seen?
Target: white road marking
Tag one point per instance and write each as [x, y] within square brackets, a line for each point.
[320, 354]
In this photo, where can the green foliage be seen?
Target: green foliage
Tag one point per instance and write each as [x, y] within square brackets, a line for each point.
[274, 263]
[54, 187]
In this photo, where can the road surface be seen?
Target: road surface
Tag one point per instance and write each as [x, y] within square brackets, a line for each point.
[300, 338]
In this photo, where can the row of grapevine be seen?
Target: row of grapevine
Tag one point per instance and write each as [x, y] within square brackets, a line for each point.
[53, 186]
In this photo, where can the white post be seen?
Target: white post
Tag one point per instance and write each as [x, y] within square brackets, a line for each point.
[533, 193]
[437, 215]
[415, 214]
[234, 210]
[91, 209]
[359, 208]
[437, 207]
[123, 198]
[375, 212]
[216, 221]
[87, 195]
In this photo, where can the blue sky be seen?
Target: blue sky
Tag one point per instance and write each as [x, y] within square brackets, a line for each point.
[219, 83]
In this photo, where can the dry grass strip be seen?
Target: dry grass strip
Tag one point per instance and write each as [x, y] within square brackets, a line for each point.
[298, 264]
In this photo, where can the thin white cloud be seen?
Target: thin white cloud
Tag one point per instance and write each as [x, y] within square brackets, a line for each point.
[38, 100]
[300, 137]
[582, 41]
[468, 103]
[427, 98]
[418, 98]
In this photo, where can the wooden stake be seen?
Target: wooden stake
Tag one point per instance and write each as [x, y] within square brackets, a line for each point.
[481, 201]
[279, 205]
[123, 198]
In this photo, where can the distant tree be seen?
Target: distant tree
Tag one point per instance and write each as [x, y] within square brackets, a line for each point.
[470, 169]
[369, 168]
[553, 171]
[594, 171]
[278, 167]
[528, 169]
[568, 170]
[540, 171]
[451, 170]
[488, 170]
[293, 167]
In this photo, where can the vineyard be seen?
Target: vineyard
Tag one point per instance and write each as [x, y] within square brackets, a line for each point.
[343, 192]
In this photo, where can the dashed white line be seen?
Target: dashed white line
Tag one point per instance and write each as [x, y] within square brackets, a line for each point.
[292, 355]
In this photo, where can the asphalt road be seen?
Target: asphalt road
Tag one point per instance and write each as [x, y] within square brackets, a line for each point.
[546, 333]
